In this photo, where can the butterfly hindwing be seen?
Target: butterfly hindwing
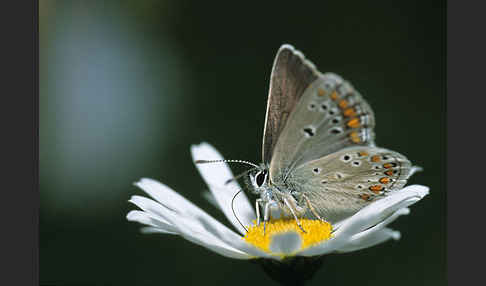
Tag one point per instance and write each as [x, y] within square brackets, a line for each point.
[330, 116]
[340, 184]
[291, 75]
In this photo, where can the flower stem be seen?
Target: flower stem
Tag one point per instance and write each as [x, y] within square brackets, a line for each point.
[293, 271]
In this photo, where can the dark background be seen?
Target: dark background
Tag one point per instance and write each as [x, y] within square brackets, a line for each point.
[127, 86]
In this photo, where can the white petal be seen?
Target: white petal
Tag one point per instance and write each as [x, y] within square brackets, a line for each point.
[216, 175]
[415, 169]
[152, 207]
[168, 197]
[173, 201]
[152, 220]
[325, 247]
[368, 238]
[224, 251]
[151, 229]
[206, 231]
[196, 225]
[230, 238]
[208, 240]
[372, 236]
[176, 207]
[383, 224]
[372, 239]
[210, 198]
[381, 209]
[192, 229]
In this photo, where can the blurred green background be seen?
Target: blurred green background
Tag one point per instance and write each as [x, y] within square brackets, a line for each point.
[127, 86]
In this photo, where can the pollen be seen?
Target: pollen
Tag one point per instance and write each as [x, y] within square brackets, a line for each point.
[316, 231]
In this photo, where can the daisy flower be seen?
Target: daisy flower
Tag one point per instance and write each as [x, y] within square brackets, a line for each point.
[170, 213]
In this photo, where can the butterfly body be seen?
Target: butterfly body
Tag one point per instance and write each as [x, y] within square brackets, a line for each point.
[273, 196]
[319, 155]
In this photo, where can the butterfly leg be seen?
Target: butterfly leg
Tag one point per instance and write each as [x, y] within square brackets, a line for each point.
[266, 214]
[287, 203]
[257, 208]
[312, 208]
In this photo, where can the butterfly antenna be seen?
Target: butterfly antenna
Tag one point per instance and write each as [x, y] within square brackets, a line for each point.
[233, 209]
[226, 161]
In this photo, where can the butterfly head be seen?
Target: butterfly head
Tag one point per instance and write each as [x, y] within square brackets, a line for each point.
[259, 179]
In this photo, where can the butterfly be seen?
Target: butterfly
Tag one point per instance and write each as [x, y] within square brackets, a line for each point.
[319, 155]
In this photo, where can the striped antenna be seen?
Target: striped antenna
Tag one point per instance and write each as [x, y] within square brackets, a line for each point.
[226, 161]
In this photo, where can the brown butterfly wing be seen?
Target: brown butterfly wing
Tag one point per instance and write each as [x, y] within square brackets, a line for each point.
[291, 75]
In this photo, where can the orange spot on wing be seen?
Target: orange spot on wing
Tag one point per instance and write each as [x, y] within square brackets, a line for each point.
[388, 165]
[321, 92]
[365, 197]
[343, 104]
[362, 153]
[349, 112]
[353, 123]
[355, 137]
[334, 95]
[389, 173]
[375, 158]
[384, 180]
[376, 188]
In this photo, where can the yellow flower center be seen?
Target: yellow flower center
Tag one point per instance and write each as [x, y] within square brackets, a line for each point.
[316, 231]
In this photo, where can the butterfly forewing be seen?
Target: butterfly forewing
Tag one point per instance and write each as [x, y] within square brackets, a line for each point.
[291, 75]
[340, 184]
[330, 116]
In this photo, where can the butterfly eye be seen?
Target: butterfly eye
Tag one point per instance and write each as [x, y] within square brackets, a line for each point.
[260, 178]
